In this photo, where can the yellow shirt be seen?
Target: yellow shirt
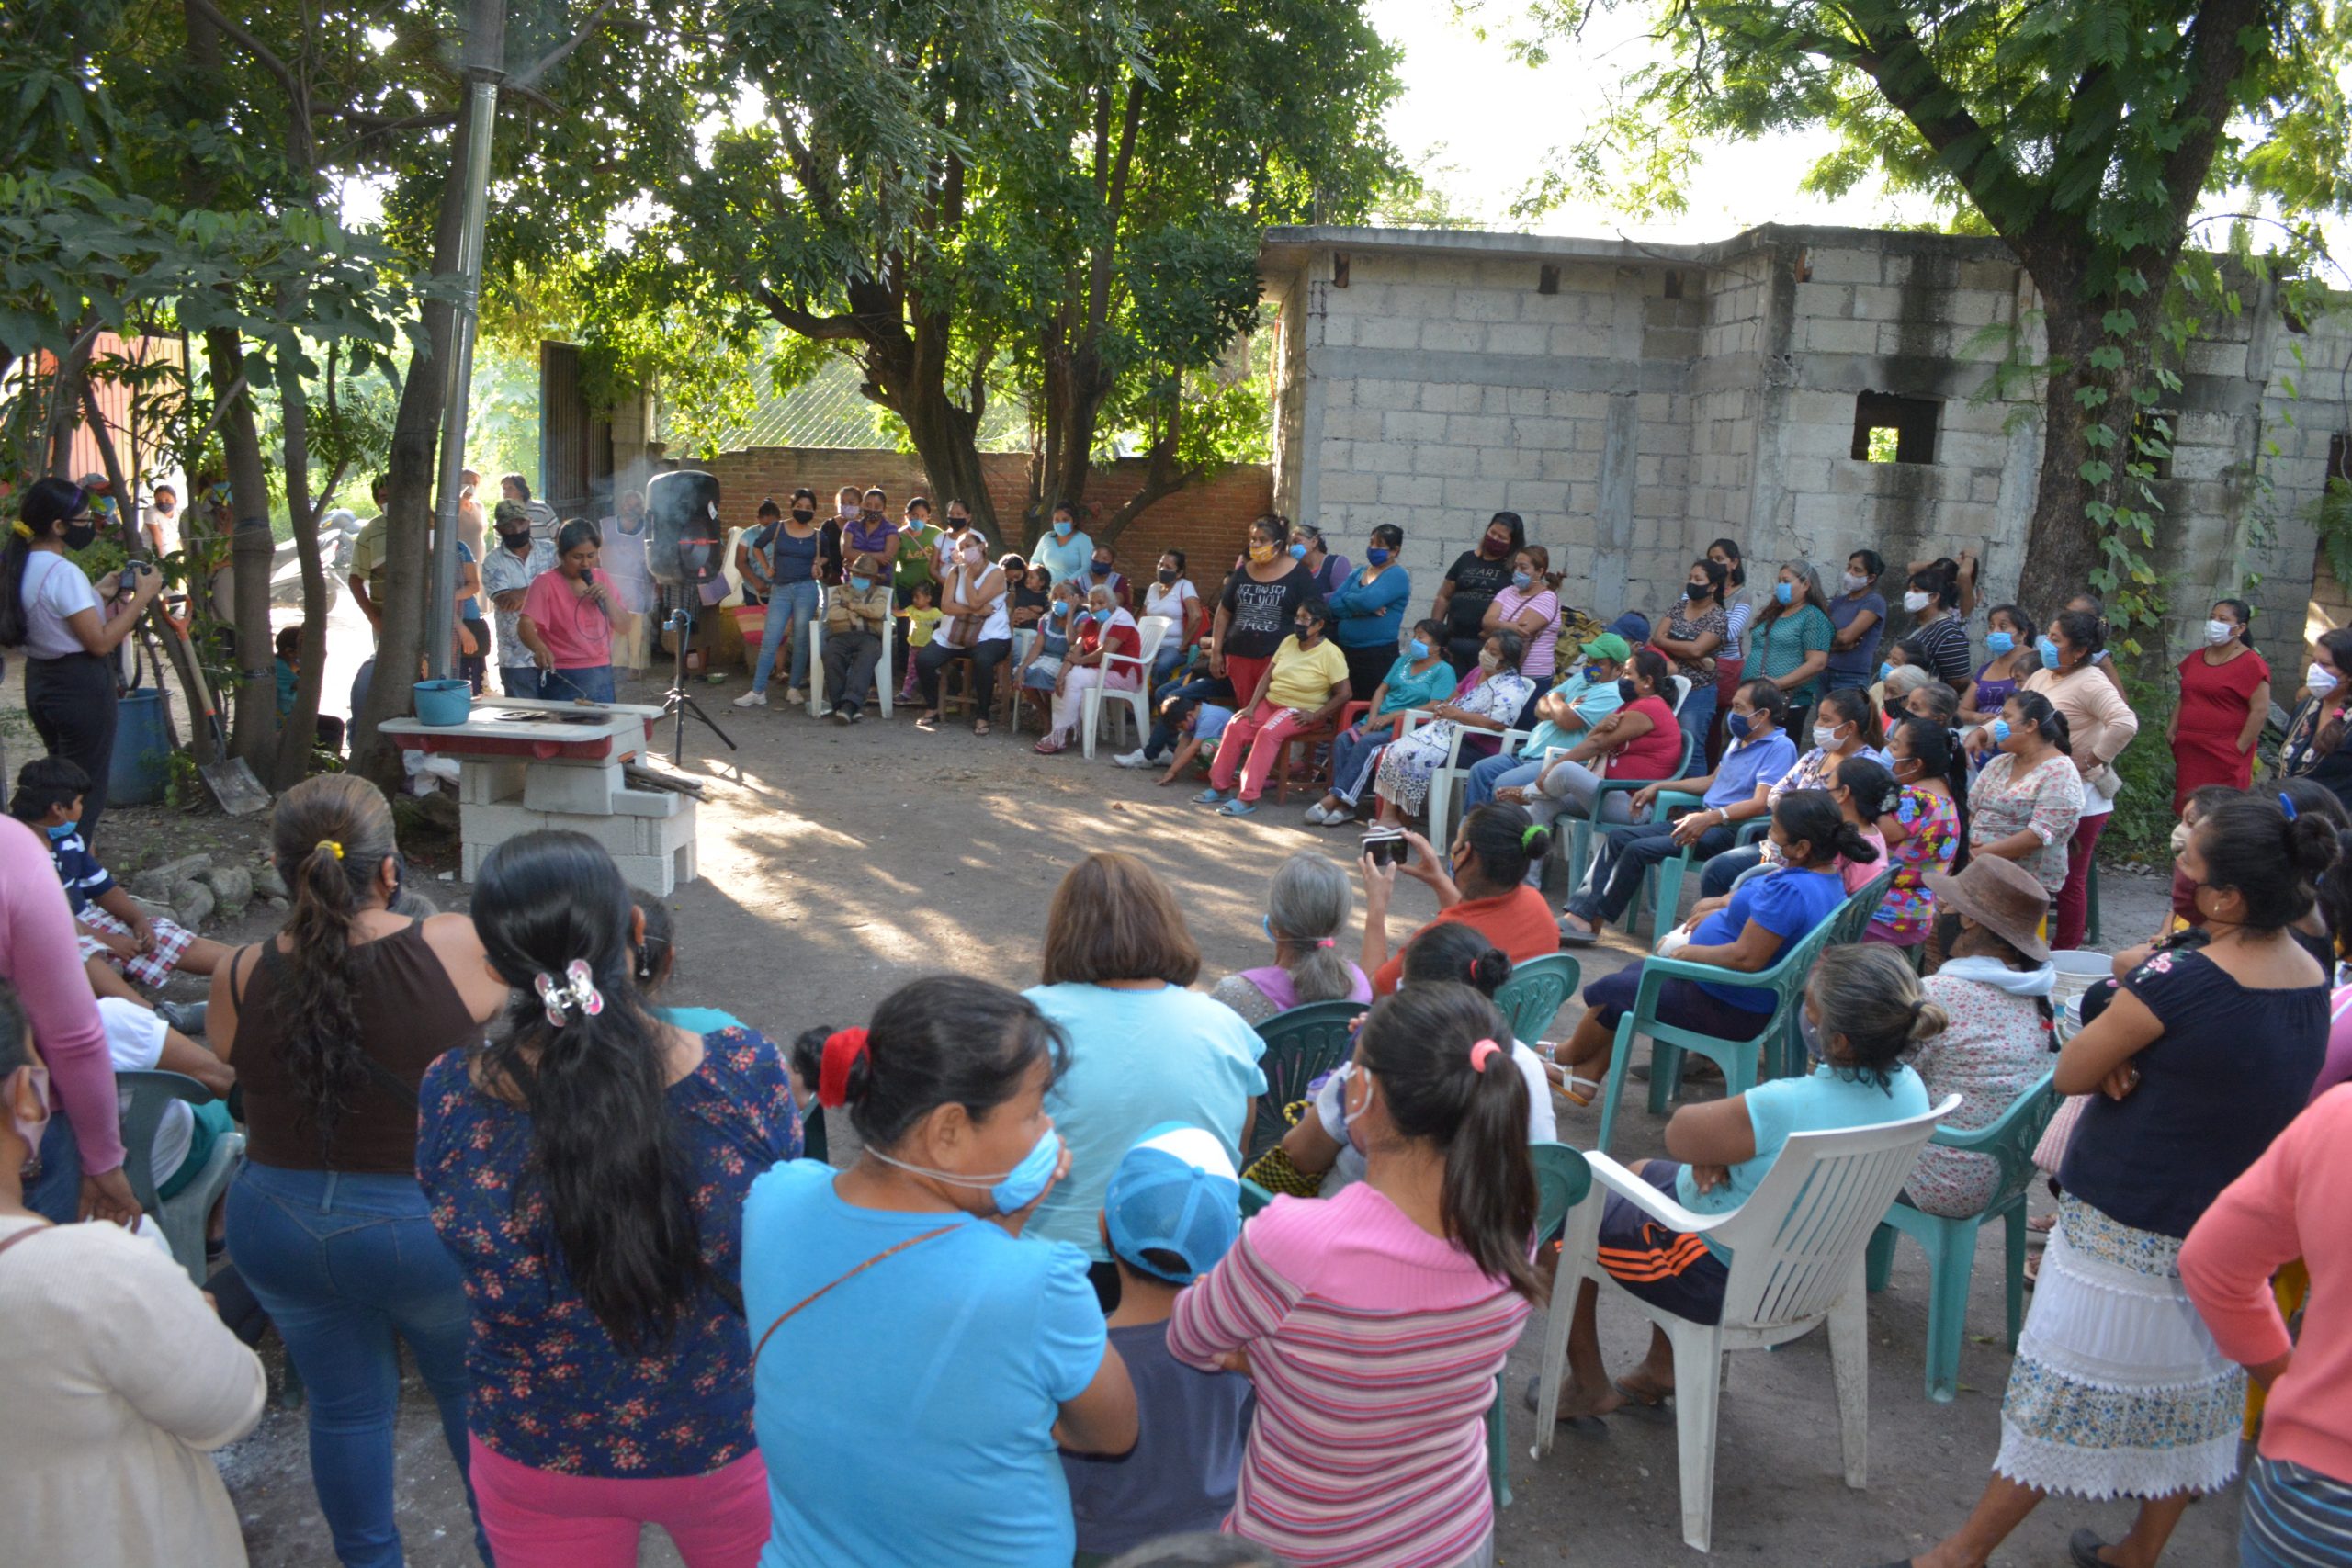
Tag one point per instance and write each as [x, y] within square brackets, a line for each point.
[921, 624]
[1303, 678]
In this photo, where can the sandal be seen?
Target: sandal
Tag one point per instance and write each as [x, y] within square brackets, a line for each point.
[1579, 1091]
[1049, 747]
[981, 727]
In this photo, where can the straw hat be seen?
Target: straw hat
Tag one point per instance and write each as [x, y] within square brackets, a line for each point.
[1999, 894]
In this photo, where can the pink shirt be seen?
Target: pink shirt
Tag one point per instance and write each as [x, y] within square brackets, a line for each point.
[1542, 648]
[575, 631]
[39, 955]
[1374, 1345]
[2290, 1203]
[1860, 874]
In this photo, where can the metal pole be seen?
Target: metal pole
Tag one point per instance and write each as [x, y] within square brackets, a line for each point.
[481, 114]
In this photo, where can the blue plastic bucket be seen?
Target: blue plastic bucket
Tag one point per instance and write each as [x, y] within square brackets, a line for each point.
[143, 749]
[444, 702]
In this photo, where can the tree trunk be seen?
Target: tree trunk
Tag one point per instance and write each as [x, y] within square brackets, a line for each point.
[908, 375]
[301, 722]
[2065, 545]
[408, 508]
[254, 735]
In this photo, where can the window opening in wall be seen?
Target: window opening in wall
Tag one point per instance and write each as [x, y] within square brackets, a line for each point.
[1547, 279]
[1339, 270]
[1673, 283]
[1888, 429]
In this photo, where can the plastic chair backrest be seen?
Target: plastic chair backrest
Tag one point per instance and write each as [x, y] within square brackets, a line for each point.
[1690, 745]
[1681, 684]
[1253, 1197]
[1797, 1241]
[1562, 1179]
[1302, 1044]
[1152, 630]
[152, 1093]
[1536, 990]
[1853, 917]
[2009, 1140]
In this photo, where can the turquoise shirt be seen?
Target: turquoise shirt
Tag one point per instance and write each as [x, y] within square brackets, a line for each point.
[1594, 699]
[1406, 690]
[1825, 1100]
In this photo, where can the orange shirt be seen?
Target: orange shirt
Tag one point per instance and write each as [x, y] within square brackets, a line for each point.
[1519, 922]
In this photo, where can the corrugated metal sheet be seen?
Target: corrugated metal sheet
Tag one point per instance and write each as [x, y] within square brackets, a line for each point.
[113, 407]
[575, 445]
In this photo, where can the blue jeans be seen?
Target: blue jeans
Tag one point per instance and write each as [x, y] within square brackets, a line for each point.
[1350, 749]
[1698, 713]
[1726, 869]
[56, 1194]
[519, 680]
[1164, 730]
[1164, 662]
[347, 1266]
[1847, 680]
[1625, 855]
[1500, 770]
[790, 609]
[592, 683]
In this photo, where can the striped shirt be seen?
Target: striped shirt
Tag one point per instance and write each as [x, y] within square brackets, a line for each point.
[1374, 1345]
[2298, 1517]
[79, 869]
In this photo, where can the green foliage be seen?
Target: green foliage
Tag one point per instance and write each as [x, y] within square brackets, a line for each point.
[2332, 520]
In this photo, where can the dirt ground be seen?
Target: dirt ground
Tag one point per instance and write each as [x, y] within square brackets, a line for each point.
[839, 863]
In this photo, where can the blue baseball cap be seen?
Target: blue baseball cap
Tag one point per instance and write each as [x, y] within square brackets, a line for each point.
[1175, 1191]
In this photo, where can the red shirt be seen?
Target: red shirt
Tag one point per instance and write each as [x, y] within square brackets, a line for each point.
[1519, 922]
[1654, 755]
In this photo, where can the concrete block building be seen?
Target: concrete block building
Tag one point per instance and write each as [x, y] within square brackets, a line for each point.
[1806, 391]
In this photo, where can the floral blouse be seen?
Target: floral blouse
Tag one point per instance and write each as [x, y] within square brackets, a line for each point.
[1910, 908]
[551, 1388]
[1995, 1048]
[2048, 800]
[1684, 627]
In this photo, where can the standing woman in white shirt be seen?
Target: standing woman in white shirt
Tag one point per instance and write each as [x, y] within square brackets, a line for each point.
[48, 608]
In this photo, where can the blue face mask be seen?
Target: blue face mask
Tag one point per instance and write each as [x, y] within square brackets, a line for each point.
[1417, 649]
[1739, 724]
[1012, 1191]
[1060, 609]
[64, 830]
[1520, 579]
[1100, 568]
[2047, 649]
[1885, 671]
[863, 584]
[1998, 643]
[1376, 556]
[1999, 730]
[1298, 552]
[1062, 528]
[1785, 593]
[1101, 615]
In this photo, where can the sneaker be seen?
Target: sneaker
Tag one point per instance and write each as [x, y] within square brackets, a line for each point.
[753, 700]
[1237, 808]
[186, 1017]
[856, 714]
[1135, 759]
[794, 696]
[1211, 796]
[841, 716]
[1320, 816]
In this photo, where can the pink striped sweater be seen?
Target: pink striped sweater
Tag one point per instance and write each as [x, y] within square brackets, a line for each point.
[1374, 1345]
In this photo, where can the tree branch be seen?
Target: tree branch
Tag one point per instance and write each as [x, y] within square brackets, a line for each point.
[807, 323]
[530, 76]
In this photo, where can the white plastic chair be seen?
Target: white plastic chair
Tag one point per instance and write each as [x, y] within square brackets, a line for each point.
[1681, 684]
[1797, 1248]
[1442, 781]
[183, 1216]
[1148, 631]
[883, 675]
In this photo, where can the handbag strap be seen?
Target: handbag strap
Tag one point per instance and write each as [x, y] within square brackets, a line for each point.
[28, 1230]
[811, 1296]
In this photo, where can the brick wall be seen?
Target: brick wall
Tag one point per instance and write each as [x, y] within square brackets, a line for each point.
[1209, 520]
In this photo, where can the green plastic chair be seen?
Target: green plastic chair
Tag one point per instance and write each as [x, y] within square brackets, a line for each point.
[1950, 1244]
[1562, 1179]
[1581, 829]
[1536, 991]
[1302, 1044]
[1786, 979]
[182, 1217]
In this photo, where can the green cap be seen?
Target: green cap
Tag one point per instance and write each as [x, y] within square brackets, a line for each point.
[1608, 646]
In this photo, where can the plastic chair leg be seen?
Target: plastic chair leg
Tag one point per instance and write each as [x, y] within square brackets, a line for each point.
[2014, 1268]
[1698, 1390]
[1089, 720]
[1880, 1257]
[1850, 1362]
[1951, 1262]
[1619, 1059]
[1498, 1449]
[1665, 1075]
[2090, 905]
[815, 667]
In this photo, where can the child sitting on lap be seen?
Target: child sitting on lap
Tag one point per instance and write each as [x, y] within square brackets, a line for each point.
[1171, 1211]
[117, 938]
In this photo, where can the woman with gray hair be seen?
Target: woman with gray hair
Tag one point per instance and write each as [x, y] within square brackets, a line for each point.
[1307, 908]
[1331, 571]
[1790, 642]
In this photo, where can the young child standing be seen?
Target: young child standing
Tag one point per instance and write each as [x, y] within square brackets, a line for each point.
[1170, 1213]
[117, 938]
[922, 616]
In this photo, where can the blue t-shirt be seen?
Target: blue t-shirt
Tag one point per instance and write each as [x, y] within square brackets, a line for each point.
[1137, 1059]
[1179, 1477]
[1825, 1100]
[1749, 764]
[1592, 700]
[550, 1387]
[79, 869]
[1862, 658]
[1063, 558]
[1788, 903]
[468, 608]
[907, 1415]
[1371, 613]
[699, 1021]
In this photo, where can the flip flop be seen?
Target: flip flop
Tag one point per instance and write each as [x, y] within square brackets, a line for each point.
[1571, 937]
[1582, 1425]
[1657, 1405]
[1581, 1090]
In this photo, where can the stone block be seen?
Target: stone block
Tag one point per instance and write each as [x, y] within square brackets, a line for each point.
[661, 835]
[586, 789]
[1442, 459]
[156, 882]
[619, 835]
[1399, 428]
[232, 889]
[1817, 299]
[1349, 488]
[1840, 264]
[1478, 430]
[1823, 335]
[1388, 333]
[1531, 496]
[1509, 463]
[1337, 332]
[486, 782]
[1453, 337]
[268, 883]
[649, 803]
[492, 824]
[654, 874]
[1487, 305]
[1404, 489]
[192, 904]
[1373, 394]
[1349, 425]
[1542, 434]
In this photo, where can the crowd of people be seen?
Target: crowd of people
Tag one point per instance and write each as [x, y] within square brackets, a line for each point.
[638, 1294]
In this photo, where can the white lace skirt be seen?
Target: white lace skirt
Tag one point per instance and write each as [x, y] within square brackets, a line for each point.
[2118, 1389]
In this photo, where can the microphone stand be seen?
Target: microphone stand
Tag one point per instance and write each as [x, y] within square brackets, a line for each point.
[677, 700]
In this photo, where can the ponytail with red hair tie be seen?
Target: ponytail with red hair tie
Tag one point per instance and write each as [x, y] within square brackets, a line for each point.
[843, 1050]
[1482, 1052]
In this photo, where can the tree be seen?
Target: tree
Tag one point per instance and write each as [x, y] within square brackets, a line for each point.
[2085, 133]
[1058, 199]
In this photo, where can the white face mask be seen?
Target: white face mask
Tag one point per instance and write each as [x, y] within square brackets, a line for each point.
[1915, 601]
[2321, 680]
[1825, 737]
[1856, 582]
[1490, 661]
[2219, 632]
[31, 1132]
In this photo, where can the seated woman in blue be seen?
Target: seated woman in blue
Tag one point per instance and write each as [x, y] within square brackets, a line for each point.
[1766, 913]
[1862, 1010]
[946, 1353]
[587, 1170]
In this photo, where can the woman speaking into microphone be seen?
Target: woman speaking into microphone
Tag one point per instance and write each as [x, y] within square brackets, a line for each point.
[49, 608]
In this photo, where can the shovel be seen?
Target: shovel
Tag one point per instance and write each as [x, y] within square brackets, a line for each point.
[231, 780]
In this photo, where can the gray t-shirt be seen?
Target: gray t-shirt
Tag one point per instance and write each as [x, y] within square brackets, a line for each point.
[503, 572]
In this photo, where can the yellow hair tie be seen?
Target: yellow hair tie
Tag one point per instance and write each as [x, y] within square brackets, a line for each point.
[23, 529]
[331, 844]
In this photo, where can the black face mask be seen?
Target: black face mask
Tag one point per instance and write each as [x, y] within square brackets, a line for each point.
[1626, 692]
[802, 514]
[1167, 575]
[518, 541]
[80, 535]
